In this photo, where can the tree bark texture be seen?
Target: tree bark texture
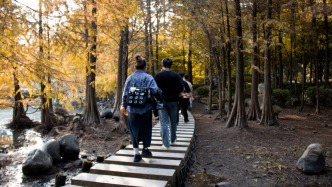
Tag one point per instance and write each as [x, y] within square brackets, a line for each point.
[91, 114]
[254, 112]
[268, 117]
[237, 117]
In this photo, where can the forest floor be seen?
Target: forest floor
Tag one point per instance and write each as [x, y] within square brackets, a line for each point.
[257, 156]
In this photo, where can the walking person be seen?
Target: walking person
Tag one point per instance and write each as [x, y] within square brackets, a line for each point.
[139, 111]
[191, 95]
[170, 84]
[184, 100]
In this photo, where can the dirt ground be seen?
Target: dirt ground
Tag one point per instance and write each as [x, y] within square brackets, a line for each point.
[257, 156]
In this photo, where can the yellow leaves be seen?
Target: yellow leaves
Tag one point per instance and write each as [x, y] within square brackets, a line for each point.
[280, 167]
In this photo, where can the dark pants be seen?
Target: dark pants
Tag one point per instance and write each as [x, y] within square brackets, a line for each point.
[140, 127]
[184, 105]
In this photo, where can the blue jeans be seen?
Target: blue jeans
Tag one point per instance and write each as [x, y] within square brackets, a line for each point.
[168, 121]
[140, 128]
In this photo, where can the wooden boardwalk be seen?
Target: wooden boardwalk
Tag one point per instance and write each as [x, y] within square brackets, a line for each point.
[165, 168]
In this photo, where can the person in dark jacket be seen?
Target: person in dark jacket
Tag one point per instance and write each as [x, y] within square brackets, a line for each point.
[139, 118]
[184, 100]
[170, 84]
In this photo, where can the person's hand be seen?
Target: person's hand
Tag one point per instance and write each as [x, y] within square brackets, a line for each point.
[124, 111]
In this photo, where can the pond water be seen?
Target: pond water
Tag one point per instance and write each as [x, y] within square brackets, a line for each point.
[7, 135]
[14, 147]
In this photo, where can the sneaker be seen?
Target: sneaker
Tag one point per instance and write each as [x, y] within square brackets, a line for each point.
[164, 147]
[146, 153]
[137, 158]
[186, 120]
[173, 143]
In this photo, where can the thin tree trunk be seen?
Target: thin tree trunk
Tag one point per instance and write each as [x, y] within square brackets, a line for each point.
[229, 71]
[327, 49]
[46, 119]
[315, 37]
[254, 112]
[18, 111]
[238, 114]
[157, 34]
[190, 65]
[223, 61]
[267, 112]
[91, 114]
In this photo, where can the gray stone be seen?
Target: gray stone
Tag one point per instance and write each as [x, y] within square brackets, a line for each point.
[52, 147]
[261, 88]
[69, 147]
[223, 184]
[37, 162]
[313, 159]
[106, 113]
[116, 115]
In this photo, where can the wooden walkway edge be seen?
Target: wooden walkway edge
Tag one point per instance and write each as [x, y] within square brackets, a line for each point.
[167, 167]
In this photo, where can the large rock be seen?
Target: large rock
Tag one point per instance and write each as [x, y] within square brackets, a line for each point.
[38, 162]
[313, 159]
[261, 88]
[52, 147]
[107, 113]
[69, 147]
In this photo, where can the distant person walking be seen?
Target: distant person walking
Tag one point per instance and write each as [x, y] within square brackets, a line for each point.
[191, 95]
[139, 117]
[171, 85]
[184, 100]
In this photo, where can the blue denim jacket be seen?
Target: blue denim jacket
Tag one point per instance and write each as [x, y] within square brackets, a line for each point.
[139, 79]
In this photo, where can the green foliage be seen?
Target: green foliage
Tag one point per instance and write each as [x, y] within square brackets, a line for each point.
[325, 96]
[281, 96]
[202, 91]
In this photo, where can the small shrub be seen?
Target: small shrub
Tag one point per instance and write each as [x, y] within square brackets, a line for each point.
[281, 96]
[325, 97]
[202, 91]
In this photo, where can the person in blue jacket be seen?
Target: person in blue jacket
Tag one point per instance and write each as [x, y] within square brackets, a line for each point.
[139, 118]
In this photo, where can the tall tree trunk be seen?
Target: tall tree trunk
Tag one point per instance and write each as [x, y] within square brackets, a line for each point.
[219, 77]
[229, 70]
[50, 100]
[268, 117]
[303, 82]
[327, 49]
[190, 52]
[281, 68]
[223, 61]
[157, 34]
[46, 120]
[254, 111]
[151, 60]
[237, 117]
[18, 111]
[91, 114]
[120, 78]
[315, 38]
[210, 75]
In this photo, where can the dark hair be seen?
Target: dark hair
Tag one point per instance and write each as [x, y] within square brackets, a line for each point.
[186, 76]
[140, 62]
[181, 75]
[167, 62]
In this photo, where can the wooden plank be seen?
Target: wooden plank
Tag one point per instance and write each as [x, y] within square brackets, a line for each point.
[159, 143]
[97, 180]
[156, 154]
[177, 135]
[133, 171]
[177, 132]
[178, 139]
[145, 162]
[174, 149]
